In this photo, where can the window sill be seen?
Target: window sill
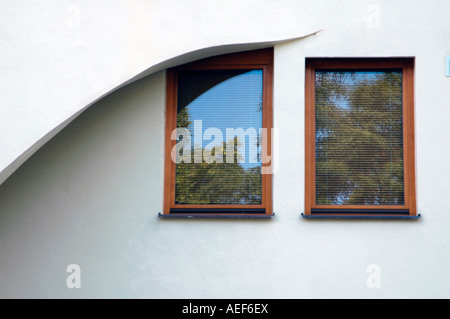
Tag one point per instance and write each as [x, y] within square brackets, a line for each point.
[215, 216]
[340, 216]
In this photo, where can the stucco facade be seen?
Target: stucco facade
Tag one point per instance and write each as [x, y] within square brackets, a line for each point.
[82, 138]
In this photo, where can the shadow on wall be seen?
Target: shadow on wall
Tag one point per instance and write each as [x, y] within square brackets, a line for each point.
[64, 204]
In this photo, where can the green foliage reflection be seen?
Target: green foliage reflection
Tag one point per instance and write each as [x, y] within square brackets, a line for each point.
[359, 138]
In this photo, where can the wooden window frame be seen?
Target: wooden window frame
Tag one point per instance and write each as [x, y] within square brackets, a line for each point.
[408, 210]
[257, 59]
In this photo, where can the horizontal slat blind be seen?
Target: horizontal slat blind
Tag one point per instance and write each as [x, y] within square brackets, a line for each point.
[220, 99]
[359, 138]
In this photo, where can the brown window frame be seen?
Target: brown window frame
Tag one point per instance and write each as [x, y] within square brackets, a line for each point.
[257, 59]
[408, 210]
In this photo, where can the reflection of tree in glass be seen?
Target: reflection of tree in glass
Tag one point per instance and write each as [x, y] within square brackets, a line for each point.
[183, 117]
[218, 183]
[359, 138]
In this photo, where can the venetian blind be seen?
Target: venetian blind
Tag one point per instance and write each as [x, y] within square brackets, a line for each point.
[222, 110]
[359, 138]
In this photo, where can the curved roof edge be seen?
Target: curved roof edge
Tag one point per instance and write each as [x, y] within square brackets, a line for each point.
[162, 65]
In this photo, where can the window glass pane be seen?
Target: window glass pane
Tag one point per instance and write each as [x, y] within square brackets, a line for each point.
[222, 111]
[359, 138]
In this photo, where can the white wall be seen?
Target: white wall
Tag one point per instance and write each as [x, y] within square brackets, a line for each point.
[91, 195]
[59, 57]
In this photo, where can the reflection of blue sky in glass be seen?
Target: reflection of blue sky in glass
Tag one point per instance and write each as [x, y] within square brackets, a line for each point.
[233, 103]
[348, 80]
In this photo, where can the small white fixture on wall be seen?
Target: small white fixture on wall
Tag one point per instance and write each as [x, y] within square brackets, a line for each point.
[447, 65]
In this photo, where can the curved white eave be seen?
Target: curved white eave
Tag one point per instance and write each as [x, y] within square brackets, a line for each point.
[9, 168]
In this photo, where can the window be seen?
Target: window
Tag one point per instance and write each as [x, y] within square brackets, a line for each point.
[359, 138]
[218, 137]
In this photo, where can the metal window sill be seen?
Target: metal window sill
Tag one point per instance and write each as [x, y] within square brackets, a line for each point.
[214, 216]
[331, 216]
